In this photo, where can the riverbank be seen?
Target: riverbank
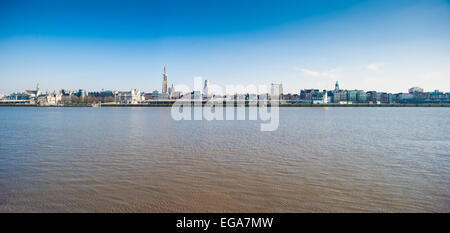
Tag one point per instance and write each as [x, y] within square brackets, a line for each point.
[281, 105]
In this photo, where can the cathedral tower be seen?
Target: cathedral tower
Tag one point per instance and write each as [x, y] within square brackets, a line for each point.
[164, 84]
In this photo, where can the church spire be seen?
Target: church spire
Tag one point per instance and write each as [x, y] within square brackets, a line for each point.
[164, 84]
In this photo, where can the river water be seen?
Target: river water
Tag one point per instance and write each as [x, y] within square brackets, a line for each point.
[140, 160]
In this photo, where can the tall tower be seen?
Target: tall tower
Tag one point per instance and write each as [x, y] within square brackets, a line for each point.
[164, 84]
[336, 87]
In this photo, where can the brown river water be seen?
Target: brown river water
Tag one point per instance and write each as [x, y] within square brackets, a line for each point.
[140, 160]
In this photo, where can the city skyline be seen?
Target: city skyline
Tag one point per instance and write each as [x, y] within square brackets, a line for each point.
[370, 45]
[165, 89]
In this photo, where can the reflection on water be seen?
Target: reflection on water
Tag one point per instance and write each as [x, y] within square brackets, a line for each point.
[140, 160]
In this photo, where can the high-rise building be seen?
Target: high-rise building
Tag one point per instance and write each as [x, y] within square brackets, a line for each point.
[276, 90]
[206, 89]
[336, 86]
[164, 84]
[351, 95]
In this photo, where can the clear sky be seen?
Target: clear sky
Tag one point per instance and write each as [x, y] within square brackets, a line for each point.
[119, 45]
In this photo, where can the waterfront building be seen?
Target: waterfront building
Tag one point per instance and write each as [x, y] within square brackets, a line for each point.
[26, 97]
[156, 95]
[415, 90]
[317, 100]
[81, 94]
[351, 96]
[418, 97]
[405, 97]
[361, 96]
[380, 97]
[49, 99]
[372, 96]
[153, 95]
[291, 97]
[320, 98]
[385, 98]
[308, 94]
[390, 98]
[176, 95]
[336, 97]
[66, 96]
[130, 97]
[330, 95]
[148, 96]
[436, 94]
[163, 96]
[17, 97]
[340, 96]
[101, 94]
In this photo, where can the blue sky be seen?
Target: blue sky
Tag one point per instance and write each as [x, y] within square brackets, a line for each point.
[119, 45]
